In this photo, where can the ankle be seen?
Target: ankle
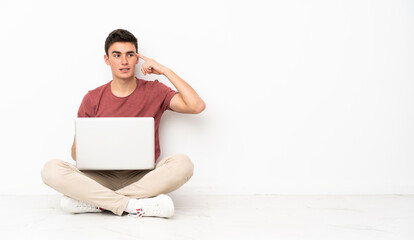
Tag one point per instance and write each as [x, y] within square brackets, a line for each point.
[131, 206]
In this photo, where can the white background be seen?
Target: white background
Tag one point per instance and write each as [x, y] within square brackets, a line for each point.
[303, 97]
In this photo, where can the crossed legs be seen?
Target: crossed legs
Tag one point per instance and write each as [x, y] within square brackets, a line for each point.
[111, 190]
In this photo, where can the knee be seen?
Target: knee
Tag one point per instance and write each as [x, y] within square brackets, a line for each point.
[186, 166]
[50, 172]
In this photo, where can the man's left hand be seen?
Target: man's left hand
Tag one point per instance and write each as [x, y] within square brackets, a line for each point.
[151, 66]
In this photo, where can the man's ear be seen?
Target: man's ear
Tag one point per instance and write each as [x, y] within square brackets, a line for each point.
[106, 59]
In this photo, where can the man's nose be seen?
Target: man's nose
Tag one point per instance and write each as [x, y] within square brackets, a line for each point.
[124, 60]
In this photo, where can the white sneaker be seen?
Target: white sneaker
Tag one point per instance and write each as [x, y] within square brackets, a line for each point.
[159, 206]
[74, 206]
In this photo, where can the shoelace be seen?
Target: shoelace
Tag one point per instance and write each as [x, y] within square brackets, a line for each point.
[86, 206]
[151, 209]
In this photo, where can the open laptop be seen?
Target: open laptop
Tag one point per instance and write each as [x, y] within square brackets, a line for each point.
[114, 143]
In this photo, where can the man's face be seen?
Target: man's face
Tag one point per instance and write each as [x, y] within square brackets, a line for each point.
[122, 59]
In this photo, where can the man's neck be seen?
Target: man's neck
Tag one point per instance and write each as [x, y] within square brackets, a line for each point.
[123, 87]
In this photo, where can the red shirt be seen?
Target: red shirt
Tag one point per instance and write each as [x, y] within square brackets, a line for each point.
[149, 99]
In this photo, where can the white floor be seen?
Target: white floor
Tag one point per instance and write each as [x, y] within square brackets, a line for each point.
[220, 217]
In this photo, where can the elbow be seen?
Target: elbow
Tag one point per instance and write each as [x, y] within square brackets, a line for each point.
[200, 108]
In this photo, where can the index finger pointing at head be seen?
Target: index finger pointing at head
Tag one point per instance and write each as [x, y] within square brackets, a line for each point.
[143, 57]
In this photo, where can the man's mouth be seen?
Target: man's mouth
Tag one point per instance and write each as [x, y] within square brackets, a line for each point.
[124, 70]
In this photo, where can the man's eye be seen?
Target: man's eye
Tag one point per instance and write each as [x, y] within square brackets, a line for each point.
[130, 55]
[116, 55]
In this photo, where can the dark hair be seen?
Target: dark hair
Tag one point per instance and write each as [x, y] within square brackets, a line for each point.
[120, 35]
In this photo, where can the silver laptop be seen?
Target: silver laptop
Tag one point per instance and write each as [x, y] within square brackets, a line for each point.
[114, 143]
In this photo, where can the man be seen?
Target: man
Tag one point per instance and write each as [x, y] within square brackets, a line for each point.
[139, 193]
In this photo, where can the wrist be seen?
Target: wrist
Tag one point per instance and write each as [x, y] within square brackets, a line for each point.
[167, 72]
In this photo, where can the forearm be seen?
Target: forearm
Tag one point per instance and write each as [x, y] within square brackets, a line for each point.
[73, 151]
[74, 154]
[189, 95]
